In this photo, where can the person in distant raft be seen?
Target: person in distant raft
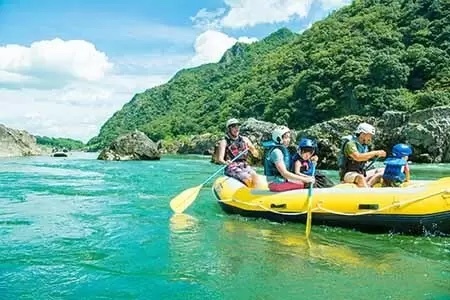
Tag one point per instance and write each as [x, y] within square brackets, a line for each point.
[397, 168]
[354, 155]
[232, 145]
[278, 164]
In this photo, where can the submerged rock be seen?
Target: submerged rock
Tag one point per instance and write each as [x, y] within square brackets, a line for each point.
[132, 146]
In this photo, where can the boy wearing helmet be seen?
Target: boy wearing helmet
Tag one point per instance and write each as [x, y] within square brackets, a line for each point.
[355, 154]
[277, 164]
[397, 169]
[232, 145]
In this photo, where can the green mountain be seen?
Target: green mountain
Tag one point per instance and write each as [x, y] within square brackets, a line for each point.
[59, 143]
[366, 58]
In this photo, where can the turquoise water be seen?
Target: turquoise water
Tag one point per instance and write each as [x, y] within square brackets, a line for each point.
[78, 228]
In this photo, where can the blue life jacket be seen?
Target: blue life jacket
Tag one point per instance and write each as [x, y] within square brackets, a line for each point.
[269, 166]
[346, 164]
[393, 170]
[306, 165]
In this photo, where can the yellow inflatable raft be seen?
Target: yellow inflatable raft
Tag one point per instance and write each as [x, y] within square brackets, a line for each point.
[422, 207]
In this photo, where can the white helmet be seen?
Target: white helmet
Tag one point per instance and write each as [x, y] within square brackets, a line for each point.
[277, 133]
[365, 128]
[232, 121]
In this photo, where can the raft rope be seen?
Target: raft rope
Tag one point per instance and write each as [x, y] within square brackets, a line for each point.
[396, 204]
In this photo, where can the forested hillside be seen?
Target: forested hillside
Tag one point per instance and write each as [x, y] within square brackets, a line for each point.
[366, 58]
[60, 143]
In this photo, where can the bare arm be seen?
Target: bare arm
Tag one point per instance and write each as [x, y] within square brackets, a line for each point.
[281, 167]
[220, 158]
[356, 156]
[251, 147]
[407, 173]
[297, 166]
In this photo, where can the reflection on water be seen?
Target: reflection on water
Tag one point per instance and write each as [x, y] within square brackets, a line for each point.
[252, 258]
[182, 222]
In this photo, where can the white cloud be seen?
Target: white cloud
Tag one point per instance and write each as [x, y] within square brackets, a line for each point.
[56, 59]
[88, 89]
[248, 13]
[251, 12]
[76, 110]
[333, 4]
[247, 40]
[211, 45]
[208, 19]
[13, 78]
[69, 88]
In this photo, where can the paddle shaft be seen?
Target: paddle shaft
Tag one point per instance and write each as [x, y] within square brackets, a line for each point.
[313, 173]
[371, 163]
[222, 168]
[309, 213]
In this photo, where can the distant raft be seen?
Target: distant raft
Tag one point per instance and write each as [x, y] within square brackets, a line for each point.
[60, 154]
[421, 207]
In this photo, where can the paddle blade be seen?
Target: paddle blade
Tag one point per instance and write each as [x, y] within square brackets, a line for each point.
[184, 199]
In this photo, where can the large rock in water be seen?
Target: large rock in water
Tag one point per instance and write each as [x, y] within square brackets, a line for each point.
[15, 142]
[131, 146]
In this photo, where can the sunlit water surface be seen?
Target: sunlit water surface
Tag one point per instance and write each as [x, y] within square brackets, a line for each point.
[79, 228]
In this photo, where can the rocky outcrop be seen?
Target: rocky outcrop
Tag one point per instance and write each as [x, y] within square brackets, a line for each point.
[199, 144]
[131, 146]
[15, 142]
[427, 131]
[329, 136]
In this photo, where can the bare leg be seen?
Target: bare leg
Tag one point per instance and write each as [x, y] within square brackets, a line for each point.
[372, 172]
[254, 180]
[360, 181]
[371, 181]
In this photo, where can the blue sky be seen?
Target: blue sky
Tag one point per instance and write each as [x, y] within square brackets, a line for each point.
[67, 66]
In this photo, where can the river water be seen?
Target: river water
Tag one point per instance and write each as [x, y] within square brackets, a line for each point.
[79, 228]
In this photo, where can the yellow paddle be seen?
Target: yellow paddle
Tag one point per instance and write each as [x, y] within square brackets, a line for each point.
[309, 213]
[186, 197]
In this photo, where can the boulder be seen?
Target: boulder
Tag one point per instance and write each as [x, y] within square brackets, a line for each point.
[328, 136]
[15, 142]
[427, 131]
[132, 146]
[198, 144]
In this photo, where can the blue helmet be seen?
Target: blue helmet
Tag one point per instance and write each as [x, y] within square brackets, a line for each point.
[401, 150]
[306, 143]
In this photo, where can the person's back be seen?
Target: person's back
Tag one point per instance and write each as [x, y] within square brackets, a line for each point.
[397, 169]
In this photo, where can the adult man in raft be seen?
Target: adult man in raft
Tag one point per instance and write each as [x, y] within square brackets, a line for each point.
[232, 145]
